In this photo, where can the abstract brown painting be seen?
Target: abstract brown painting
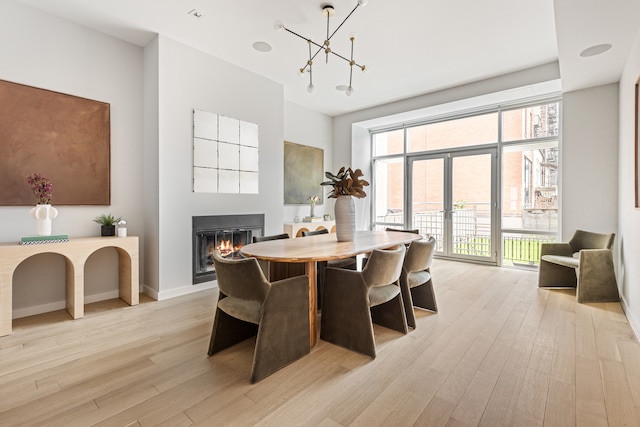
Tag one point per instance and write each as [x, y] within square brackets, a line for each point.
[63, 137]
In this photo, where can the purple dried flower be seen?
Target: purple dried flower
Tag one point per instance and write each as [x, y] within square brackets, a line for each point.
[41, 187]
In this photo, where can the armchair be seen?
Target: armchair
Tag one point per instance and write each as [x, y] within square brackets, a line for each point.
[584, 263]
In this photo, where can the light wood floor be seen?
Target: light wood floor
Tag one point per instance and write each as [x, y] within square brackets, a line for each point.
[500, 352]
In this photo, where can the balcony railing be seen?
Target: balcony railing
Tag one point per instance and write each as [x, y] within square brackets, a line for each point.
[472, 235]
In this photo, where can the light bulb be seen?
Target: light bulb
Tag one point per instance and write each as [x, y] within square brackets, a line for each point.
[311, 88]
[278, 25]
[362, 2]
[349, 91]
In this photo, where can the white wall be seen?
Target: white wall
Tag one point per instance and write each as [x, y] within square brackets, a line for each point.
[628, 243]
[308, 127]
[589, 161]
[188, 79]
[46, 52]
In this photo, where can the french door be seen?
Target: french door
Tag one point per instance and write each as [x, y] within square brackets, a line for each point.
[452, 196]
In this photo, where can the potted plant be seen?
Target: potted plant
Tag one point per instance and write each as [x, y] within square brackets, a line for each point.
[346, 184]
[107, 224]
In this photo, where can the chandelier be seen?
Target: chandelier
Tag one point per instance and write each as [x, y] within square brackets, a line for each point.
[328, 11]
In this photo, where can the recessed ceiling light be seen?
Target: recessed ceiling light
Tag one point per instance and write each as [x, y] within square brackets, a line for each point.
[595, 50]
[262, 46]
[194, 13]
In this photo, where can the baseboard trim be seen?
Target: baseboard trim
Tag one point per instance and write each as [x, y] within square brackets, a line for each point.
[633, 322]
[61, 305]
[185, 290]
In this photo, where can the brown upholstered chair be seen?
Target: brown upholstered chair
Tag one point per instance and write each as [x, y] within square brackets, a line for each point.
[354, 300]
[248, 305]
[584, 263]
[278, 270]
[415, 281]
[349, 263]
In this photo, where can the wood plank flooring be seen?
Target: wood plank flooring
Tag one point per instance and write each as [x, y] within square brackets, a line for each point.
[500, 352]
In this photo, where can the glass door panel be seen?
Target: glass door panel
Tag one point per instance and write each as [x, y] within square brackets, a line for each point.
[472, 225]
[452, 198]
[428, 199]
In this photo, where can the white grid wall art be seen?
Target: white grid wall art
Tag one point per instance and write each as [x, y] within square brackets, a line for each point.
[225, 154]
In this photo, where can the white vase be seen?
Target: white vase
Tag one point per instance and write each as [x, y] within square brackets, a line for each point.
[312, 212]
[345, 213]
[43, 214]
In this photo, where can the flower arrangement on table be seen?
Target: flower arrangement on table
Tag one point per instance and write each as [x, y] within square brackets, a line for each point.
[41, 187]
[313, 200]
[346, 182]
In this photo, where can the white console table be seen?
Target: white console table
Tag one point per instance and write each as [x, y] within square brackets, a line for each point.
[76, 252]
[295, 229]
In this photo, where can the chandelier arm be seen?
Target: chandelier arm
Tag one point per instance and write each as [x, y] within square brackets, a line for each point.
[349, 61]
[304, 38]
[345, 20]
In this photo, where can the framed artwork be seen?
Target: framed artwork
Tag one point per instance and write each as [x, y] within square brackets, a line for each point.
[64, 138]
[303, 173]
[636, 141]
[225, 154]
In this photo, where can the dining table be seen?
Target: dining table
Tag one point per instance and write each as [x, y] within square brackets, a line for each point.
[323, 247]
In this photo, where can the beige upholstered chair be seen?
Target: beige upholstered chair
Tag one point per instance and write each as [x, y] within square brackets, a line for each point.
[415, 281]
[353, 300]
[416, 231]
[584, 263]
[248, 305]
[349, 263]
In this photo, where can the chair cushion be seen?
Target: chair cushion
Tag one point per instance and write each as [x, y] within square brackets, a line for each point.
[249, 311]
[417, 278]
[381, 294]
[567, 261]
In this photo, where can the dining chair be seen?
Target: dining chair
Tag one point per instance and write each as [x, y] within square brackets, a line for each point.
[354, 300]
[277, 313]
[416, 281]
[416, 231]
[278, 270]
[348, 263]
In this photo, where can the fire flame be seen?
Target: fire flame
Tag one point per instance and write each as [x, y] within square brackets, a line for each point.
[225, 247]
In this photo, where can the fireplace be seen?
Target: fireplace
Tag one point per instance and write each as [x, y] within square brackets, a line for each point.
[225, 233]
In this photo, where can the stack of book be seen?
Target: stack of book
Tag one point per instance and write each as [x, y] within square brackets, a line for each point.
[39, 240]
[311, 219]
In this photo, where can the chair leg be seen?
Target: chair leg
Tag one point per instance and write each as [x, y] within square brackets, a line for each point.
[228, 331]
[555, 276]
[408, 302]
[346, 318]
[391, 315]
[424, 297]
[596, 278]
[283, 336]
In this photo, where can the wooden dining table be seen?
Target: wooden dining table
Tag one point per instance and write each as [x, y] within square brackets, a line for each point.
[323, 247]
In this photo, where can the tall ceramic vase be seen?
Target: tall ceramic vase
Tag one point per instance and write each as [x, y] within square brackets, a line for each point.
[345, 212]
[43, 214]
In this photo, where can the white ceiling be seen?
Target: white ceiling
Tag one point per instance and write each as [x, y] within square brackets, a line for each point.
[412, 47]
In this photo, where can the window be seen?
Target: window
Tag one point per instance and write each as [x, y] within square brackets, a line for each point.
[526, 140]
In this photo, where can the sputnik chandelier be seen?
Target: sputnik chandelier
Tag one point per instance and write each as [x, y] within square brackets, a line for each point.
[328, 11]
